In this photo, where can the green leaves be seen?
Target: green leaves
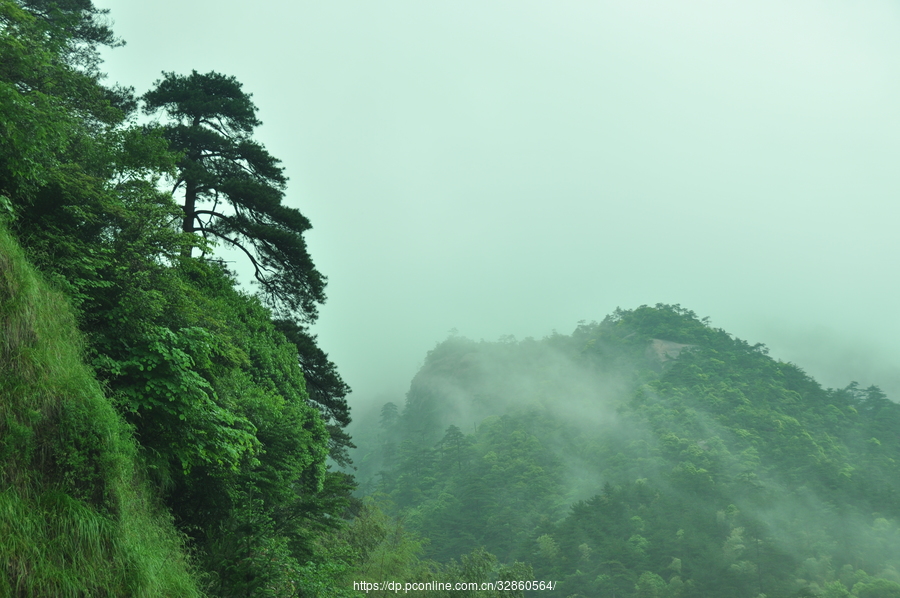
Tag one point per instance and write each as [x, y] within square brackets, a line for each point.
[160, 380]
[50, 96]
[212, 391]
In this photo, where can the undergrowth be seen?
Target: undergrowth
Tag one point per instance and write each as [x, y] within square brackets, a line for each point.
[76, 518]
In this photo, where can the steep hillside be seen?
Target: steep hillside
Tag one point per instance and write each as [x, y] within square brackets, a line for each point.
[648, 455]
[75, 518]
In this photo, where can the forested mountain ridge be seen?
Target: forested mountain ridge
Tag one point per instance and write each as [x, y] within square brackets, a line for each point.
[621, 469]
[164, 432]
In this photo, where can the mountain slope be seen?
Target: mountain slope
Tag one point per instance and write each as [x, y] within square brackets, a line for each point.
[75, 517]
[649, 455]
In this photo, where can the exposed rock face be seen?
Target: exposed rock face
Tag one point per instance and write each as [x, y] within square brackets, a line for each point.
[666, 350]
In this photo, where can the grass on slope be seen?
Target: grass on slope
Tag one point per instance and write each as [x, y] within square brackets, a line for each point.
[75, 516]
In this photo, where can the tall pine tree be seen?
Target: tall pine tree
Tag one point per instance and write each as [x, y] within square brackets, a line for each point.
[233, 188]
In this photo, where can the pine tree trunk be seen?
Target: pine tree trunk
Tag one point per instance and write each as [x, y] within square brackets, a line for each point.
[187, 224]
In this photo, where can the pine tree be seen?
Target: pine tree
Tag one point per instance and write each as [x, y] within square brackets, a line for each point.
[233, 188]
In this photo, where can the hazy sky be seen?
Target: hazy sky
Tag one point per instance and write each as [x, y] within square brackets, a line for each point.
[515, 167]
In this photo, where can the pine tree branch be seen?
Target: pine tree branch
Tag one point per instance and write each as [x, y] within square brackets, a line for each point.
[258, 274]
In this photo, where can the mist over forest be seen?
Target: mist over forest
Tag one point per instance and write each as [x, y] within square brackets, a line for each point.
[649, 454]
[203, 396]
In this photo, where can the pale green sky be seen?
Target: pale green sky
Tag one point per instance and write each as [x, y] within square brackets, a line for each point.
[514, 167]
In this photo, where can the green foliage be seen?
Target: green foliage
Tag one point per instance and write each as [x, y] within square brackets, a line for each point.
[232, 444]
[50, 93]
[212, 119]
[376, 548]
[877, 588]
[226, 397]
[75, 516]
[165, 380]
[35, 123]
[691, 462]
[325, 386]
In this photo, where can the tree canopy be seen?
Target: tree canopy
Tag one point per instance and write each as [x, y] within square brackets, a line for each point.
[234, 189]
[620, 469]
[197, 406]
